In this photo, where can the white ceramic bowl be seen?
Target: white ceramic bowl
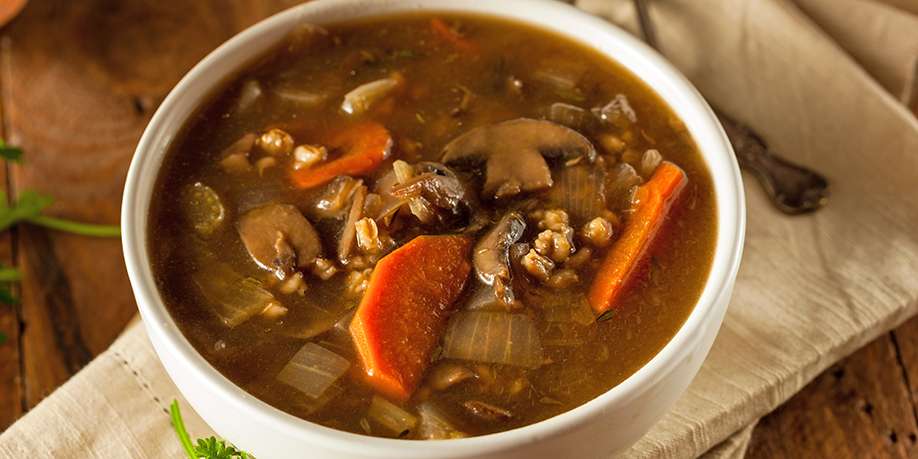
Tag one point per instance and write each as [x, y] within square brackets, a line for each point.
[611, 422]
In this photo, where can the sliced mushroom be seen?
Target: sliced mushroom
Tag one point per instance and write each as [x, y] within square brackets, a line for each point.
[273, 233]
[617, 108]
[514, 153]
[490, 256]
[334, 201]
[438, 185]
[349, 231]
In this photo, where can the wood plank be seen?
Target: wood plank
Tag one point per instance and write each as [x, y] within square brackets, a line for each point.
[11, 390]
[81, 93]
[861, 407]
[907, 340]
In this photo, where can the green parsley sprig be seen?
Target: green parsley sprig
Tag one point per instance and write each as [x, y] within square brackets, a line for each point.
[28, 208]
[206, 448]
[29, 205]
[8, 275]
[9, 152]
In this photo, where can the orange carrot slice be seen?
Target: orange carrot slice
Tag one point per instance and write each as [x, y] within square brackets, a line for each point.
[366, 145]
[447, 34]
[403, 313]
[620, 265]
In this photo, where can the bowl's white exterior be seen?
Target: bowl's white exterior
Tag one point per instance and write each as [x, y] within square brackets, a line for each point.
[611, 422]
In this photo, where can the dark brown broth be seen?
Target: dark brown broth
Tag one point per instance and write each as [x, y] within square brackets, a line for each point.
[253, 353]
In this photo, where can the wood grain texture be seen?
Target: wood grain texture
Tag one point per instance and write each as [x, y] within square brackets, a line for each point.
[861, 407]
[11, 388]
[907, 340]
[11, 384]
[81, 80]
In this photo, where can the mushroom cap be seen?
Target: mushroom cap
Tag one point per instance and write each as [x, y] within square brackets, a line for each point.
[259, 228]
[514, 153]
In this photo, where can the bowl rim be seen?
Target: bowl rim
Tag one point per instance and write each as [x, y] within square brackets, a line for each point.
[164, 127]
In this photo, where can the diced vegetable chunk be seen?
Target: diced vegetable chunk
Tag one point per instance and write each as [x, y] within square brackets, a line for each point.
[654, 200]
[434, 424]
[391, 416]
[404, 310]
[203, 208]
[361, 98]
[279, 238]
[313, 369]
[365, 146]
[580, 191]
[233, 298]
[493, 337]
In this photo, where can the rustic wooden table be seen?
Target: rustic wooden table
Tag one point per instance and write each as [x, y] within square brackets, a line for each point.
[78, 83]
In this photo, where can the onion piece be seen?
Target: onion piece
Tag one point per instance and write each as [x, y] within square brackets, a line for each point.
[391, 416]
[562, 82]
[621, 182]
[434, 425]
[579, 190]
[616, 108]
[313, 369]
[493, 337]
[388, 204]
[249, 93]
[233, 297]
[649, 162]
[485, 298]
[571, 116]
[344, 322]
[301, 98]
[419, 206]
[361, 98]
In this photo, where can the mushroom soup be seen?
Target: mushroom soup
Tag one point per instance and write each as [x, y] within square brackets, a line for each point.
[431, 227]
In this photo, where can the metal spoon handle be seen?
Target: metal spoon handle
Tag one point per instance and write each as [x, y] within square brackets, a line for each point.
[792, 188]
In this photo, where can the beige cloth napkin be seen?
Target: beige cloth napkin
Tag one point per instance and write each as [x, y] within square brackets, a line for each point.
[826, 82]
